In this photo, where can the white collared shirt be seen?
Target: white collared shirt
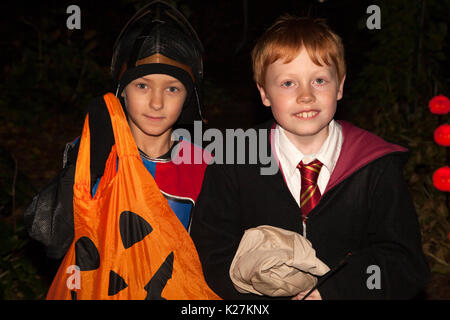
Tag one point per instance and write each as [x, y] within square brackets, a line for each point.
[289, 157]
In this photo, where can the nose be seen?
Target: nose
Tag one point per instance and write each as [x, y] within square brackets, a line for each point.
[156, 100]
[305, 95]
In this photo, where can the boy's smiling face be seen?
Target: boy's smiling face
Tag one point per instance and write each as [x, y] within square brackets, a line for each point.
[303, 98]
[154, 103]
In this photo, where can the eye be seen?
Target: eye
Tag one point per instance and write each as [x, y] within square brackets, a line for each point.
[288, 84]
[141, 86]
[173, 89]
[319, 81]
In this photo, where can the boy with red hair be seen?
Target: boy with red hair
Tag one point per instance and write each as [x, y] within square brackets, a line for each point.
[338, 186]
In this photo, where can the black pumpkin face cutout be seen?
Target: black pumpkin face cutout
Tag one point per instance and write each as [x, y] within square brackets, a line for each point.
[133, 229]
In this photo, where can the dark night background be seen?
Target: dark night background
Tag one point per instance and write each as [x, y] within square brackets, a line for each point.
[50, 73]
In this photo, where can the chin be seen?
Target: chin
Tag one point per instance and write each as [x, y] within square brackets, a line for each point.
[154, 133]
[307, 131]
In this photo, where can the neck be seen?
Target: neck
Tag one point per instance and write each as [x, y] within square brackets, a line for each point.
[308, 144]
[153, 146]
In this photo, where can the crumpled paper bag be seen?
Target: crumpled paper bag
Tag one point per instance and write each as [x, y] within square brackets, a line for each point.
[275, 262]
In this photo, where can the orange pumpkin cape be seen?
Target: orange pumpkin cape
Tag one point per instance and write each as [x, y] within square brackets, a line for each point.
[128, 242]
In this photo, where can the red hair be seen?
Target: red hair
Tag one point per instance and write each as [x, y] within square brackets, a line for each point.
[286, 38]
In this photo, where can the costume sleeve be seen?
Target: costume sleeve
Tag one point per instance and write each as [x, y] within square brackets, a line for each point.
[49, 217]
[216, 229]
[393, 251]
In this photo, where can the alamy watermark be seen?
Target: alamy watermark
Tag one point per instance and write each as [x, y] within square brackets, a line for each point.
[74, 20]
[74, 280]
[229, 149]
[374, 20]
[374, 280]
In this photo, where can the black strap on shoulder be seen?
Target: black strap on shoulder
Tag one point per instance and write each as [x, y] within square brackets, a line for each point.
[102, 137]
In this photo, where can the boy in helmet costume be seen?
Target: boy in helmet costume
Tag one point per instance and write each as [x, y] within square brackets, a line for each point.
[157, 66]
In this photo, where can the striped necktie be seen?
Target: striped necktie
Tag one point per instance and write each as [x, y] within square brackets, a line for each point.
[310, 193]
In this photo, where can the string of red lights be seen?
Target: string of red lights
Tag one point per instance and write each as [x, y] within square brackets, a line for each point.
[440, 105]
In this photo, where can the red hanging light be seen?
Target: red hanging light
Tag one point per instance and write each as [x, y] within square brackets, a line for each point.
[441, 179]
[442, 135]
[439, 104]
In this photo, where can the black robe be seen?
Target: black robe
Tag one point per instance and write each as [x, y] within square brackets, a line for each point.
[366, 210]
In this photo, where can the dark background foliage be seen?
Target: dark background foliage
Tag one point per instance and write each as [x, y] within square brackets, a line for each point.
[49, 74]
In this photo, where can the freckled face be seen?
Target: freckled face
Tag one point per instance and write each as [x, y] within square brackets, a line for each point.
[154, 103]
[302, 96]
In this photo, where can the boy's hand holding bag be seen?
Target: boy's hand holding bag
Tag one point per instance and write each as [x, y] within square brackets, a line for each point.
[275, 262]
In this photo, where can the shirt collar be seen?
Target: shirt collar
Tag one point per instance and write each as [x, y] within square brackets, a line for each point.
[165, 157]
[290, 155]
[327, 154]
[331, 149]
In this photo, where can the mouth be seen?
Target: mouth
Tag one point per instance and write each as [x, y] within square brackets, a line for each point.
[307, 115]
[152, 118]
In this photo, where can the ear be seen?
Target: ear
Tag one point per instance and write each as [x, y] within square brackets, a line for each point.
[341, 88]
[264, 98]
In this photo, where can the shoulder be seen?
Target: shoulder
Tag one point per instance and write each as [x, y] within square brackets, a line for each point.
[71, 152]
[392, 164]
[360, 149]
[189, 162]
[384, 174]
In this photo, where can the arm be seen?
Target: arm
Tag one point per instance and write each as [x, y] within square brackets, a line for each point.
[393, 245]
[49, 217]
[217, 230]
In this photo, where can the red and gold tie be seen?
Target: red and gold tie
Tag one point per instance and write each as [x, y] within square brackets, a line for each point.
[310, 193]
